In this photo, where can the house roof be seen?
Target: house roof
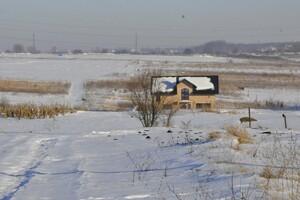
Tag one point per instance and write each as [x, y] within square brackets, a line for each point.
[202, 84]
[163, 84]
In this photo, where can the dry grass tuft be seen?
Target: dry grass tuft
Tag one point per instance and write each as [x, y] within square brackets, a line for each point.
[270, 173]
[241, 133]
[39, 87]
[214, 135]
[247, 119]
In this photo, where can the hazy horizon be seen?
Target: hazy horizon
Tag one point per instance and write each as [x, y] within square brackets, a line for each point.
[71, 24]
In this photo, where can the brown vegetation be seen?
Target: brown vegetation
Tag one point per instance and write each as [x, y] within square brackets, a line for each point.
[242, 134]
[247, 119]
[214, 134]
[270, 173]
[32, 111]
[111, 84]
[255, 104]
[39, 87]
[231, 81]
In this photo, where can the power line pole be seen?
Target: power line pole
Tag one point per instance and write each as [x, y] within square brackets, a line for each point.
[136, 43]
[33, 38]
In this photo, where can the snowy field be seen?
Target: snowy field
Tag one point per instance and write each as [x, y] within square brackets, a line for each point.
[109, 155]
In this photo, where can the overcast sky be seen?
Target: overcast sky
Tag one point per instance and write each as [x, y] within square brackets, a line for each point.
[87, 24]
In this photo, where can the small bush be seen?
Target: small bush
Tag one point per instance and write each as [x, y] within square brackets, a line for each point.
[241, 133]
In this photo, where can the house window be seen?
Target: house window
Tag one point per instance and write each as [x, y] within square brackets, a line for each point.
[184, 94]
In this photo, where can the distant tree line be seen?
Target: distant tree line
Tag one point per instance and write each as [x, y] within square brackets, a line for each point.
[214, 47]
[19, 48]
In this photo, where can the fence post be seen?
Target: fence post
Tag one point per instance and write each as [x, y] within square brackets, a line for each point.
[285, 123]
[249, 117]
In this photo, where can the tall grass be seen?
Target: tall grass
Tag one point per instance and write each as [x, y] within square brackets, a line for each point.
[32, 111]
[111, 84]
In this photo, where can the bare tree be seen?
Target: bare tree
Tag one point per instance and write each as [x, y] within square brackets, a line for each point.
[148, 107]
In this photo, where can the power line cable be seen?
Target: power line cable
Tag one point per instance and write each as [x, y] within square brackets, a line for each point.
[156, 29]
[154, 36]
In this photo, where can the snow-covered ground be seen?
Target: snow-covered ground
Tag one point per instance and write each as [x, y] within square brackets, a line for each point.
[105, 155]
[109, 155]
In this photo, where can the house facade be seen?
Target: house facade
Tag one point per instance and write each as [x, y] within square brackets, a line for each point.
[186, 92]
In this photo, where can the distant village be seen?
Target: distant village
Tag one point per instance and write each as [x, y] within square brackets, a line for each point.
[219, 47]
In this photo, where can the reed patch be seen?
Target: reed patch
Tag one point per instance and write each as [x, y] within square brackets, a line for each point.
[38, 87]
[33, 111]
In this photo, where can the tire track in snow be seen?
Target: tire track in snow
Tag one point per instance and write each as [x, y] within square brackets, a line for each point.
[31, 172]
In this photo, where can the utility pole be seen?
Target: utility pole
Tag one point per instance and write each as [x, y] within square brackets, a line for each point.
[33, 38]
[136, 43]
[249, 113]
[285, 123]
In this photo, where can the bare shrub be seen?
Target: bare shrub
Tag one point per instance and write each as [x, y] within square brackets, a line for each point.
[242, 134]
[148, 109]
[39, 87]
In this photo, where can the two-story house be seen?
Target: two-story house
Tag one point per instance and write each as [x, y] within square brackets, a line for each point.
[187, 92]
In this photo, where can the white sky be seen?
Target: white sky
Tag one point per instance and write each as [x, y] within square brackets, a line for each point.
[88, 24]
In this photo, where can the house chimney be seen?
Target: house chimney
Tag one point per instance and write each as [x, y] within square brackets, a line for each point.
[177, 80]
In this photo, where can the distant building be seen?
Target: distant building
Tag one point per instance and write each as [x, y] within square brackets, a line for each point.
[186, 92]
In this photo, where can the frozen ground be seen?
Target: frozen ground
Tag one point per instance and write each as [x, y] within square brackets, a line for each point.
[106, 155]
